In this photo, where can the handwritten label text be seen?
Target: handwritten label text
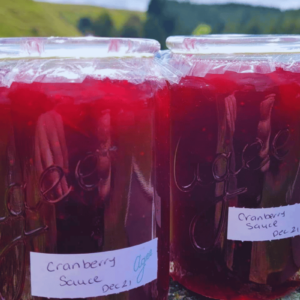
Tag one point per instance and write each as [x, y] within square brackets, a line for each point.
[263, 224]
[93, 275]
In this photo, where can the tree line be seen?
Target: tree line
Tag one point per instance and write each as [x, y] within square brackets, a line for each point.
[104, 26]
[168, 17]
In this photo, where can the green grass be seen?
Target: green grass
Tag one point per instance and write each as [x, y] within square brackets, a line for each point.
[29, 18]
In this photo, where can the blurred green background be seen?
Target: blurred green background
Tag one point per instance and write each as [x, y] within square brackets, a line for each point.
[163, 18]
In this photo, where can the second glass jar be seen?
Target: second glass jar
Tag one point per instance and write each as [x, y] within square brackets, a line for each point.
[235, 153]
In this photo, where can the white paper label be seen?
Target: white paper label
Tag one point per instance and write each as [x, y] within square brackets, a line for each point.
[93, 275]
[263, 224]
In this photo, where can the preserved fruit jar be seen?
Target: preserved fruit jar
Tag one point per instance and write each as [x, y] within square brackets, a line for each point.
[235, 150]
[80, 214]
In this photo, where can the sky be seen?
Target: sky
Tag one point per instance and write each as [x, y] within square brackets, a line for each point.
[142, 5]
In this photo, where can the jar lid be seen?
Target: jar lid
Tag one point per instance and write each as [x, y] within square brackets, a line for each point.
[234, 44]
[80, 47]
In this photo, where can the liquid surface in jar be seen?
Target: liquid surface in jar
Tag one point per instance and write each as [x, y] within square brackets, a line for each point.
[78, 176]
[235, 142]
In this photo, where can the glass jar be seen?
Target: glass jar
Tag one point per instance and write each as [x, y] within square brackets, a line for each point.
[235, 153]
[80, 214]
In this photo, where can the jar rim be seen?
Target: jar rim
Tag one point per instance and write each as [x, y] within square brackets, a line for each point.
[76, 47]
[234, 44]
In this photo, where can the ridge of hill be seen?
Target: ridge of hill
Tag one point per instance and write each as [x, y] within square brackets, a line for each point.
[72, 13]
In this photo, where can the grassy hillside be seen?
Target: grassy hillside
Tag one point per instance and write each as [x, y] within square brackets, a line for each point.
[29, 18]
[72, 13]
